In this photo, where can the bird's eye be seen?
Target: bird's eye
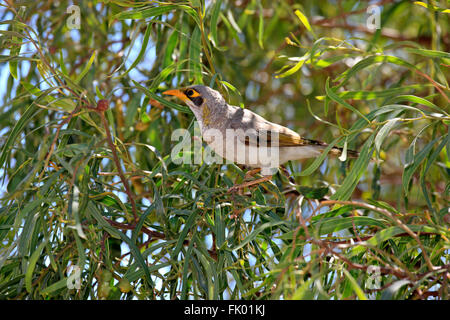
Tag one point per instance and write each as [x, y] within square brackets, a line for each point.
[189, 92]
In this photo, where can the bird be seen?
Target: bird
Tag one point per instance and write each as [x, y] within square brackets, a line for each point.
[241, 136]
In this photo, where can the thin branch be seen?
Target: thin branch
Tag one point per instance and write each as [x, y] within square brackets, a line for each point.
[102, 106]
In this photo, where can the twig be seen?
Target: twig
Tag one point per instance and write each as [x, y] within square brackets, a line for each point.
[389, 215]
[102, 106]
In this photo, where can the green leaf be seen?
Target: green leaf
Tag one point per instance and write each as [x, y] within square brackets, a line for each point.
[295, 68]
[429, 53]
[411, 166]
[260, 25]
[335, 224]
[141, 221]
[327, 225]
[214, 22]
[153, 11]
[415, 99]
[231, 28]
[356, 288]
[26, 117]
[430, 160]
[138, 256]
[15, 49]
[333, 96]
[313, 193]
[32, 264]
[389, 292]
[187, 259]
[256, 232]
[370, 61]
[432, 7]
[318, 161]
[190, 222]
[54, 287]
[86, 68]
[304, 20]
[195, 66]
[171, 45]
[161, 100]
[383, 132]
[351, 181]
[388, 233]
[141, 52]
[372, 94]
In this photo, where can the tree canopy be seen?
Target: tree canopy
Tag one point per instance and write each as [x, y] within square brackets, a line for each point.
[94, 205]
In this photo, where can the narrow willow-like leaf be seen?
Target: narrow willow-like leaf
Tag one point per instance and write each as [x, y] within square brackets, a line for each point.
[15, 50]
[304, 20]
[295, 68]
[220, 226]
[138, 256]
[260, 25]
[318, 161]
[384, 131]
[187, 226]
[141, 52]
[141, 221]
[429, 53]
[231, 28]
[326, 62]
[389, 233]
[155, 11]
[26, 117]
[195, 68]
[356, 288]
[171, 45]
[161, 100]
[432, 7]
[214, 21]
[415, 99]
[376, 94]
[63, 65]
[211, 289]
[333, 96]
[412, 165]
[187, 259]
[351, 181]
[347, 75]
[32, 264]
[86, 68]
[54, 287]
[430, 161]
[256, 232]
[327, 225]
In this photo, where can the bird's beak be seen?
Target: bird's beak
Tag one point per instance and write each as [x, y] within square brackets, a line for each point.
[177, 93]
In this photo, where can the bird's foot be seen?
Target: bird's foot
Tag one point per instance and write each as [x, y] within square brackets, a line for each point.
[241, 186]
[250, 173]
[286, 173]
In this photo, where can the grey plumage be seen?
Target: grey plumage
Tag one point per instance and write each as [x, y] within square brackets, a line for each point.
[216, 118]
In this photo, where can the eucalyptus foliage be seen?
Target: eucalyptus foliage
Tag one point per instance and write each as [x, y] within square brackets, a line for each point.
[93, 206]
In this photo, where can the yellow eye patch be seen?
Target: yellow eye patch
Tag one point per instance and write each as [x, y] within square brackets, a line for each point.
[192, 93]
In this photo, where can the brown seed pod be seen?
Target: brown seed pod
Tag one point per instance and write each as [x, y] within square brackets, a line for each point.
[102, 105]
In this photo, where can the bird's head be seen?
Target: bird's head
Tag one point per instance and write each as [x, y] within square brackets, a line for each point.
[205, 103]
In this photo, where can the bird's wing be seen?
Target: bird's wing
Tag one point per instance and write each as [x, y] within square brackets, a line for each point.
[253, 129]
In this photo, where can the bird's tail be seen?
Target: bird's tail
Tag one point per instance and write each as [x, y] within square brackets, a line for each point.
[336, 151]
